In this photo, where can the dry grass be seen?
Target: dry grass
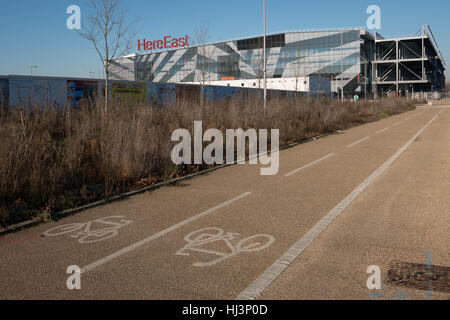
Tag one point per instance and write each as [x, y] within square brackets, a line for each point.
[443, 101]
[54, 159]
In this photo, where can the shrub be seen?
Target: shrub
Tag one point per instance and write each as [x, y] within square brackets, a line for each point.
[53, 159]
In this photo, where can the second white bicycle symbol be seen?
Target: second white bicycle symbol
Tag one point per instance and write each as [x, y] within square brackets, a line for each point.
[198, 240]
[88, 234]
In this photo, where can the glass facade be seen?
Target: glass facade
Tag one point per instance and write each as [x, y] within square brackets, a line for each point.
[335, 54]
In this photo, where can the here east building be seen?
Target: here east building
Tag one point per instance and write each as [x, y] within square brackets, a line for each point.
[356, 60]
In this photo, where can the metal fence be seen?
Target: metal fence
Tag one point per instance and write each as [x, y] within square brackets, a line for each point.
[428, 95]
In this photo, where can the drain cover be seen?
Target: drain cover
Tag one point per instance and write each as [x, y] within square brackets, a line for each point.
[419, 276]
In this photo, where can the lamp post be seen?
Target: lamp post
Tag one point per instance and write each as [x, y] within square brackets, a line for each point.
[31, 69]
[264, 53]
[342, 70]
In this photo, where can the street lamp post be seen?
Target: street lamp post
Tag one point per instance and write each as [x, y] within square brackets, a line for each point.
[31, 69]
[342, 70]
[264, 53]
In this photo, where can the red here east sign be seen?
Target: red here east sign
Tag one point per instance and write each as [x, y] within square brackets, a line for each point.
[167, 43]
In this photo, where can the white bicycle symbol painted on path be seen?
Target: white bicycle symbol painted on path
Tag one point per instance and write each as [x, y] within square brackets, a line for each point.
[88, 235]
[198, 239]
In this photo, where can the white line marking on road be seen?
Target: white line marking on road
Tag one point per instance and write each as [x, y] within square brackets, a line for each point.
[123, 251]
[87, 233]
[396, 124]
[382, 130]
[199, 241]
[357, 142]
[416, 114]
[309, 165]
[275, 270]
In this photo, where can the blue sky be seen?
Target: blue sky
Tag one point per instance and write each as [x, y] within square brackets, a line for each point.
[35, 33]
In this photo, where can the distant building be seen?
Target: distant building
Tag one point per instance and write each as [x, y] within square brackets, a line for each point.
[353, 59]
[36, 91]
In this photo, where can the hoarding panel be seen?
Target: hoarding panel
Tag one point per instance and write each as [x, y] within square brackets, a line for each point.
[80, 89]
[135, 92]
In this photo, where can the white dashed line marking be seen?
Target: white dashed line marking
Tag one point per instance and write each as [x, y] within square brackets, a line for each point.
[309, 165]
[357, 142]
[264, 281]
[416, 114]
[382, 130]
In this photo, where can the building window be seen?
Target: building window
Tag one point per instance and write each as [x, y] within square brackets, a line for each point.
[258, 43]
[228, 66]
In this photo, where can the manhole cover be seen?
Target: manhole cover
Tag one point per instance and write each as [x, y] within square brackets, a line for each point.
[419, 276]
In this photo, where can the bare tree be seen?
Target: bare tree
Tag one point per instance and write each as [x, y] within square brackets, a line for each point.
[320, 77]
[258, 67]
[205, 57]
[297, 66]
[110, 33]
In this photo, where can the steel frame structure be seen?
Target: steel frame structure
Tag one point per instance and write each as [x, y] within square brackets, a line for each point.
[401, 65]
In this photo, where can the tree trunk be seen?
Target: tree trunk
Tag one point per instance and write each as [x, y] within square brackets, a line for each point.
[202, 94]
[106, 90]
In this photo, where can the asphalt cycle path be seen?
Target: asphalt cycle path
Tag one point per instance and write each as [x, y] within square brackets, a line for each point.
[233, 233]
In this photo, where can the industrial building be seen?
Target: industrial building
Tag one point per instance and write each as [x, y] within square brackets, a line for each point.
[354, 60]
[408, 64]
[30, 91]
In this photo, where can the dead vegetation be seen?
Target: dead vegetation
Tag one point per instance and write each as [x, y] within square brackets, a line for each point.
[54, 159]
